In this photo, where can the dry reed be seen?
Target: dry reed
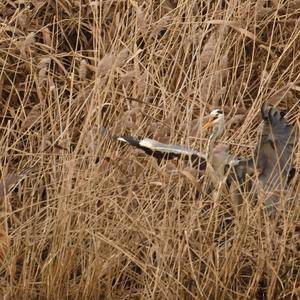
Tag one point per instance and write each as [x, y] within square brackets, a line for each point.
[93, 220]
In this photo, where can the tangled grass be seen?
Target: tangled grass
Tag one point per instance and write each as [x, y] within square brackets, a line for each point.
[93, 220]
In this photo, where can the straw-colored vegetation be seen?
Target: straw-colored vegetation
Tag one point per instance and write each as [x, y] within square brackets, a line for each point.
[90, 219]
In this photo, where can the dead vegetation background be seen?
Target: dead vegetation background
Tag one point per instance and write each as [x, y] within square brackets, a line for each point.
[91, 219]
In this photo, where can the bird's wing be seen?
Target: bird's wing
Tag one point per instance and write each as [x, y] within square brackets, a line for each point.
[166, 151]
[274, 153]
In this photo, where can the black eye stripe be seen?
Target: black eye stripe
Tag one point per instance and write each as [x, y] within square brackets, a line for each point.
[217, 113]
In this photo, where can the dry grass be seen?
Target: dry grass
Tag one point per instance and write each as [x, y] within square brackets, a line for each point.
[94, 220]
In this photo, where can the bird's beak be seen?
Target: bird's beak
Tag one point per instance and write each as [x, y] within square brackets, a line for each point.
[209, 123]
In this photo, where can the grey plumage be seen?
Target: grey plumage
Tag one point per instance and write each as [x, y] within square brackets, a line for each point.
[163, 151]
[274, 154]
[273, 157]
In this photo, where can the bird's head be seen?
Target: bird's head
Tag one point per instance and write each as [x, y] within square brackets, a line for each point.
[216, 120]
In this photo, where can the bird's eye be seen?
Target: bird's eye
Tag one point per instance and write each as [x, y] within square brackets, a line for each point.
[216, 113]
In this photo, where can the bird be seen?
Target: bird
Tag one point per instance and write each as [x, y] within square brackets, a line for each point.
[272, 161]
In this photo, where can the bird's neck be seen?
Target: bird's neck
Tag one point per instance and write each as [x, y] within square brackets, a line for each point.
[217, 132]
[210, 145]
